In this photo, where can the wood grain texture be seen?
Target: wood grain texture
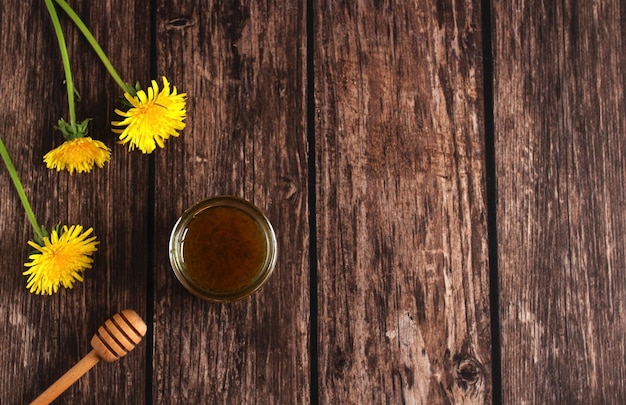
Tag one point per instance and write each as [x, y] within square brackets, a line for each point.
[47, 335]
[403, 265]
[401, 311]
[560, 123]
[242, 65]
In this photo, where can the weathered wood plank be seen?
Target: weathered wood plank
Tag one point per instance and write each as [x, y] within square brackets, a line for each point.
[43, 336]
[403, 264]
[242, 65]
[560, 139]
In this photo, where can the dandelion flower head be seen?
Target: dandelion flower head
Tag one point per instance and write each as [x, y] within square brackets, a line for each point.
[153, 117]
[60, 260]
[79, 155]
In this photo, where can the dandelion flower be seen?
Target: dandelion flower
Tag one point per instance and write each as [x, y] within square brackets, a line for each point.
[60, 260]
[79, 155]
[152, 118]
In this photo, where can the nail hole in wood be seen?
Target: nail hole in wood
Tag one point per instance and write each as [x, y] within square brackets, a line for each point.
[178, 23]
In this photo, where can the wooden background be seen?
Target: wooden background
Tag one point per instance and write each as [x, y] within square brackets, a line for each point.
[446, 181]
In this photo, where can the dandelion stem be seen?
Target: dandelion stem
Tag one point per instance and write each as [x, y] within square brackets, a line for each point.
[94, 44]
[64, 56]
[20, 190]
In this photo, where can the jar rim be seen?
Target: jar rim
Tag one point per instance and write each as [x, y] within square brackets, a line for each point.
[177, 239]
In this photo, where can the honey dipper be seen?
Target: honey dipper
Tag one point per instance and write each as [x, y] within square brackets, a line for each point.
[118, 336]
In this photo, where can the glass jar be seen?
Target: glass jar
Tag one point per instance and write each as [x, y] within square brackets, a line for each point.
[223, 249]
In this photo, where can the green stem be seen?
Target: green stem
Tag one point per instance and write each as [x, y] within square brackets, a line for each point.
[94, 44]
[64, 56]
[20, 190]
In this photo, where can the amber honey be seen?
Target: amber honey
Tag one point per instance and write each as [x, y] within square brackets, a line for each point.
[223, 249]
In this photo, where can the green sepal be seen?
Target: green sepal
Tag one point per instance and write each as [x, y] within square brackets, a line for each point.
[136, 89]
[73, 130]
[45, 234]
[123, 102]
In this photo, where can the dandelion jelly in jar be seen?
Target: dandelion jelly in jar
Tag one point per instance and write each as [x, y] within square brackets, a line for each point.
[223, 249]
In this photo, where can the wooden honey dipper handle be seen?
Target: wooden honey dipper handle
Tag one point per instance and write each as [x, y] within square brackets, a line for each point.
[70, 377]
[118, 336]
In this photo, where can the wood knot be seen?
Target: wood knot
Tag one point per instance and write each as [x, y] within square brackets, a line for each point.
[288, 188]
[469, 371]
[341, 362]
[179, 23]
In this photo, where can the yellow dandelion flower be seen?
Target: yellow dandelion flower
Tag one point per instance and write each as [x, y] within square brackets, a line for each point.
[79, 155]
[60, 260]
[153, 117]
